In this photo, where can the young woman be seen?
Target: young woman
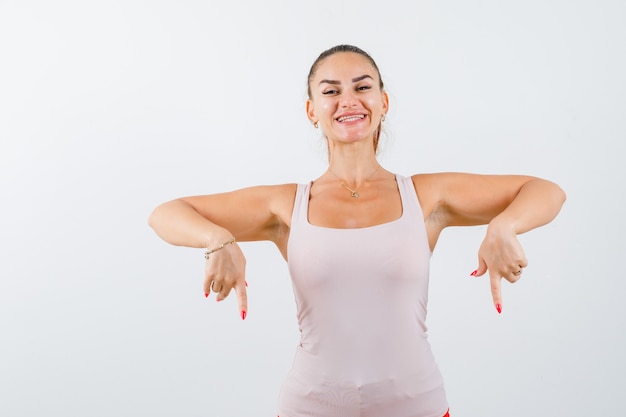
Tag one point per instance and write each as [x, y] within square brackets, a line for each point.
[358, 240]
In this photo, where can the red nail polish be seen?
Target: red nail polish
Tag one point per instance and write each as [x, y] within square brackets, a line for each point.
[473, 274]
[218, 300]
[246, 283]
[206, 294]
[243, 315]
[499, 308]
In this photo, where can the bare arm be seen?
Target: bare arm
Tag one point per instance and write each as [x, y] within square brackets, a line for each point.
[509, 204]
[256, 213]
[522, 202]
[249, 214]
[536, 204]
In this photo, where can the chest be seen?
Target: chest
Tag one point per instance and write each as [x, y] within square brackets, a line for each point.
[335, 207]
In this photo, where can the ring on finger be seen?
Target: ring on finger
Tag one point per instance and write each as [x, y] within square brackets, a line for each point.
[213, 287]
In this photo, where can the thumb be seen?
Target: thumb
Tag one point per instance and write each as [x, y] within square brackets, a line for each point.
[242, 299]
[482, 268]
[496, 294]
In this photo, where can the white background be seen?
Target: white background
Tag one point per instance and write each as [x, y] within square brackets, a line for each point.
[109, 108]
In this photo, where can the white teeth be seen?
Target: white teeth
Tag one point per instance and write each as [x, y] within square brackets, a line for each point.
[350, 118]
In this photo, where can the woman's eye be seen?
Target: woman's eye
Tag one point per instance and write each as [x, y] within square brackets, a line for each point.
[329, 92]
[364, 87]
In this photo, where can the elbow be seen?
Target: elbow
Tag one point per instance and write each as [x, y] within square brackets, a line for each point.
[153, 219]
[560, 194]
[551, 190]
[557, 198]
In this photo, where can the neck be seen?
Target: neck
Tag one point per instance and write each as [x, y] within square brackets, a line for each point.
[353, 164]
[354, 179]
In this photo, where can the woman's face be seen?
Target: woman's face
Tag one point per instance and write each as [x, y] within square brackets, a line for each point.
[346, 99]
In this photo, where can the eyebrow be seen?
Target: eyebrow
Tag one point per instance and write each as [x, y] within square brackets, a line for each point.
[354, 80]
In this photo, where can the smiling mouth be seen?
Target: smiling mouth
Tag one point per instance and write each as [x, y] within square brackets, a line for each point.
[351, 118]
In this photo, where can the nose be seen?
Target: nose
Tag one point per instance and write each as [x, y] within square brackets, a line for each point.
[348, 99]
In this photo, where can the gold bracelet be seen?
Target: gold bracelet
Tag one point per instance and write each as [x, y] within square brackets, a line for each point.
[208, 252]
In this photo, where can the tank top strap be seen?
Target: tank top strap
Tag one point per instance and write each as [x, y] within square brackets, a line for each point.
[299, 215]
[411, 206]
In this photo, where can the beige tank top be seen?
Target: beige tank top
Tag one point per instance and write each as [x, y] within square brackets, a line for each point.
[361, 296]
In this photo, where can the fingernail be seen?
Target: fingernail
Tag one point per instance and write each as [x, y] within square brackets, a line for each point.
[243, 315]
[473, 274]
[218, 299]
[499, 308]
[206, 294]
[246, 283]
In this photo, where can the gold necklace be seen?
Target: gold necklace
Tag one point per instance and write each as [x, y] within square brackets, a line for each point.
[355, 193]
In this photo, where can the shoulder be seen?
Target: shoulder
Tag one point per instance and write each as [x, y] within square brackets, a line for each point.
[268, 193]
[284, 193]
[281, 199]
[258, 204]
[280, 192]
[273, 196]
[273, 191]
[428, 187]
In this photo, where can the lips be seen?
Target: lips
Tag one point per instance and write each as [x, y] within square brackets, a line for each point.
[350, 118]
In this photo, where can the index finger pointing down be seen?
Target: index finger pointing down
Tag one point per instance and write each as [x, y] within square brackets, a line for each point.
[242, 299]
[496, 294]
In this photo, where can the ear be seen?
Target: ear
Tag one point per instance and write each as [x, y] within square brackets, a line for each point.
[310, 111]
[385, 102]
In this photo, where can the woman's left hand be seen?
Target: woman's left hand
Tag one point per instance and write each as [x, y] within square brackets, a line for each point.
[502, 255]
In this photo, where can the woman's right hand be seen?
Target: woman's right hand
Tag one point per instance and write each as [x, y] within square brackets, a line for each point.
[225, 270]
[208, 221]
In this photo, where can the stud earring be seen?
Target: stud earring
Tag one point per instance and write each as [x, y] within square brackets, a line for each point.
[382, 119]
[315, 125]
